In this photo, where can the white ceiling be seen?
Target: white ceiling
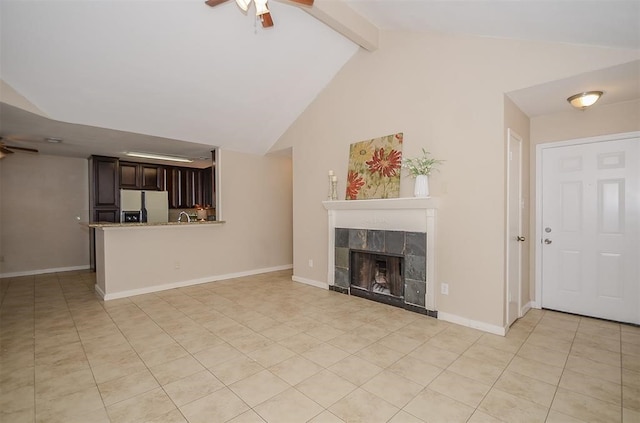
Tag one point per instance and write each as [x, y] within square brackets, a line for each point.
[608, 23]
[618, 83]
[180, 70]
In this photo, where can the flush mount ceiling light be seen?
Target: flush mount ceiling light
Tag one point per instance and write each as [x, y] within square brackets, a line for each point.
[262, 11]
[583, 100]
[158, 157]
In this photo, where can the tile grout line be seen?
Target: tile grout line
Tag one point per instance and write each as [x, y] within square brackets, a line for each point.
[275, 342]
[504, 370]
[564, 367]
[35, 415]
[75, 300]
[621, 378]
[140, 358]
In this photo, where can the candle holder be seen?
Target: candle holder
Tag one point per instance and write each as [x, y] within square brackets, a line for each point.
[334, 188]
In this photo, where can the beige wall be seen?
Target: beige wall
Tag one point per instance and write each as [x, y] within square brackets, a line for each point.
[41, 196]
[597, 120]
[517, 121]
[256, 194]
[446, 94]
[42, 199]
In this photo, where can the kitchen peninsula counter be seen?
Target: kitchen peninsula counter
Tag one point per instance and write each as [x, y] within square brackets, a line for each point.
[140, 258]
[127, 225]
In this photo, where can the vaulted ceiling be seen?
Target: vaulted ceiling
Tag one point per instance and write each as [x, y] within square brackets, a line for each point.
[183, 77]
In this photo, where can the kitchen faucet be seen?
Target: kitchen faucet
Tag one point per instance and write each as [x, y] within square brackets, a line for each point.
[184, 213]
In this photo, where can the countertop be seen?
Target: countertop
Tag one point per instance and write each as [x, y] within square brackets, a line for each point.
[134, 225]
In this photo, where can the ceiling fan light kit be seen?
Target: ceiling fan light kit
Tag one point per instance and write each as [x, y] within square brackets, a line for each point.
[583, 100]
[262, 10]
[8, 149]
[261, 7]
[243, 4]
[5, 149]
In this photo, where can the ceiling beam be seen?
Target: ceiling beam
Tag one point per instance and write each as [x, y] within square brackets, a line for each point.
[339, 16]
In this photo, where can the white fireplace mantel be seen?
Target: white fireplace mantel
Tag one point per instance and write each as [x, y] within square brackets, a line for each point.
[401, 214]
[383, 204]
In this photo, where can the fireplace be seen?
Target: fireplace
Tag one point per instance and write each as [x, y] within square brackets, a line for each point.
[384, 250]
[384, 266]
[378, 277]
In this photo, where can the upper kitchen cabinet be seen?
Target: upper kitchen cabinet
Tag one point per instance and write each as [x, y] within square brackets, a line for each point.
[150, 177]
[188, 187]
[103, 189]
[140, 176]
[207, 187]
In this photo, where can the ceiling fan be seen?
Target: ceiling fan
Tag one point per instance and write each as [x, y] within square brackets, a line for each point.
[262, 11]
[8, 149]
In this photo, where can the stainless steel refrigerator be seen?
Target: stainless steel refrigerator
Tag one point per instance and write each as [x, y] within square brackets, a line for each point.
[154, 205]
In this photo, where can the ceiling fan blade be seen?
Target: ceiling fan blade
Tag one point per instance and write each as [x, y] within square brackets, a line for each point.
[31, 150]
[4, 150]
[305, 2]
[213, 3]
[266, 20]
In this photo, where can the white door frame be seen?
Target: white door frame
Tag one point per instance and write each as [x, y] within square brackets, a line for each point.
[538, 225]
[513, 136]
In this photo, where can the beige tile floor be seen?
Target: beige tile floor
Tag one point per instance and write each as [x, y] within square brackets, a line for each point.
[266, 349]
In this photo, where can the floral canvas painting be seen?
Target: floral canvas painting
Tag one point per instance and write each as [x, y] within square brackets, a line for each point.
[374, 168]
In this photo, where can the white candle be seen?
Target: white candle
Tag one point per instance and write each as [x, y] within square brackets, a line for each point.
[331, 173]
[334, 178]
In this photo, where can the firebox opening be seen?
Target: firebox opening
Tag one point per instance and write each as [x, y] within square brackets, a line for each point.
[378, 277]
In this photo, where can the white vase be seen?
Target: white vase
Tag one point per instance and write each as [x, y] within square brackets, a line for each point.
[421, 188]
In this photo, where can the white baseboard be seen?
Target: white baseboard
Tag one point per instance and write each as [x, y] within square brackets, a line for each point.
[99, 291]
[43, 271]
[311, 282]
[528, 306]
[474, 324]
[182, 284]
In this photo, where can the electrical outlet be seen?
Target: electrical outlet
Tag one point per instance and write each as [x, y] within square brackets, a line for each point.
[444, 288]
[176, 265]
[310, 263]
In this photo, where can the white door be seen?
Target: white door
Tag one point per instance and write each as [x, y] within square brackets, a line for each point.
[515, 236]
[591, 230]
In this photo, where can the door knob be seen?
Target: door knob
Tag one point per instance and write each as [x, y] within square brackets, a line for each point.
[547, 241]
[521, 238]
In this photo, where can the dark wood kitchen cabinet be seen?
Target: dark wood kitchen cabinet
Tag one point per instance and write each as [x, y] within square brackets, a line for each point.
[188, 187]
[171, 185]
[104, 194]
[140, 176]
[150, 177]
[207, 187]
[180, 187]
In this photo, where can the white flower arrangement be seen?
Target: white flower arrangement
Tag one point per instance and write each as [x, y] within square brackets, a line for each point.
[421, 165]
